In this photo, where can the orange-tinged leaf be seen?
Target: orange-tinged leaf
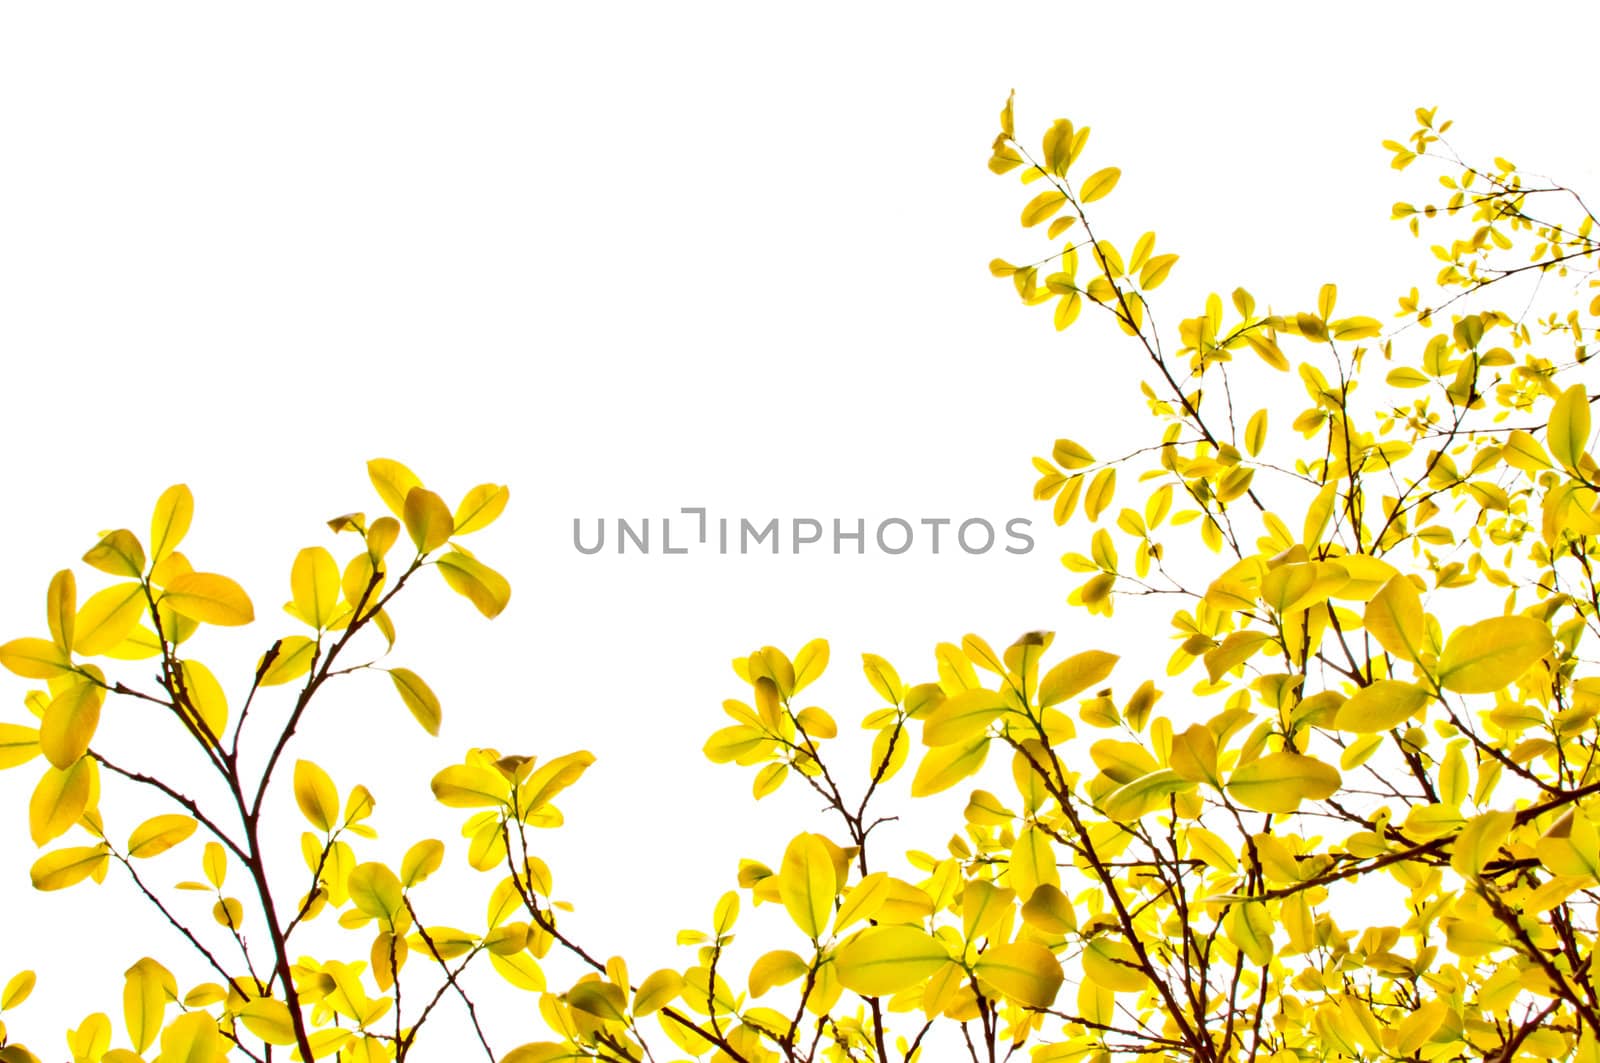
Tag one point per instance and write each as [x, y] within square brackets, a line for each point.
[209, 598]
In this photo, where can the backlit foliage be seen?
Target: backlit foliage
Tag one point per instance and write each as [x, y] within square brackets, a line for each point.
[1363, 824]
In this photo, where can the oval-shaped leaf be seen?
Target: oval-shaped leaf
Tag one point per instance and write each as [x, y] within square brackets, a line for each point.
[884, 960]
[1484, 657]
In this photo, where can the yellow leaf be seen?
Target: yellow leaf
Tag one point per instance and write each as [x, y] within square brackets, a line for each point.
[314, 586]
[170, 523]
[61, 797]
[421, 860]
[119, 553]
[1113, 965]
[1278, 782]
[1355, 328]
[1568, 430]
[418, 698]
[34, 658]
[67, 867]
[206, 697]
[193, 1038]
[108, 617]
[475, 581]
[393, 482]
[1381, 705]
[1484, 657]
[146, 990]
[775, 968]
[884, 679]
[1155, 271]
[69, 722]
[1042, 206]
[657, 991]
[208, 598]
[807, 884]
[269, 1020]
[551, 779]
[1049, 910]
[1099, 184]
[427, 519]
[945, 766]
[293, 660]
[1023, 971]
[316, 795]
[1100, 493]
[470, 786]
[214, 862]
[1074, 675]
[863, 900]
[376, 890]
[1479, 840]
[1033, 864]
[158, 834]
[18, 745]
[962, 716]
[61, 608]
[480, 507]
[1394, 617]
[17, 990]
[884, 960]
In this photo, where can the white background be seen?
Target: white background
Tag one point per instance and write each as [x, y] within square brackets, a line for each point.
[629, 258]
